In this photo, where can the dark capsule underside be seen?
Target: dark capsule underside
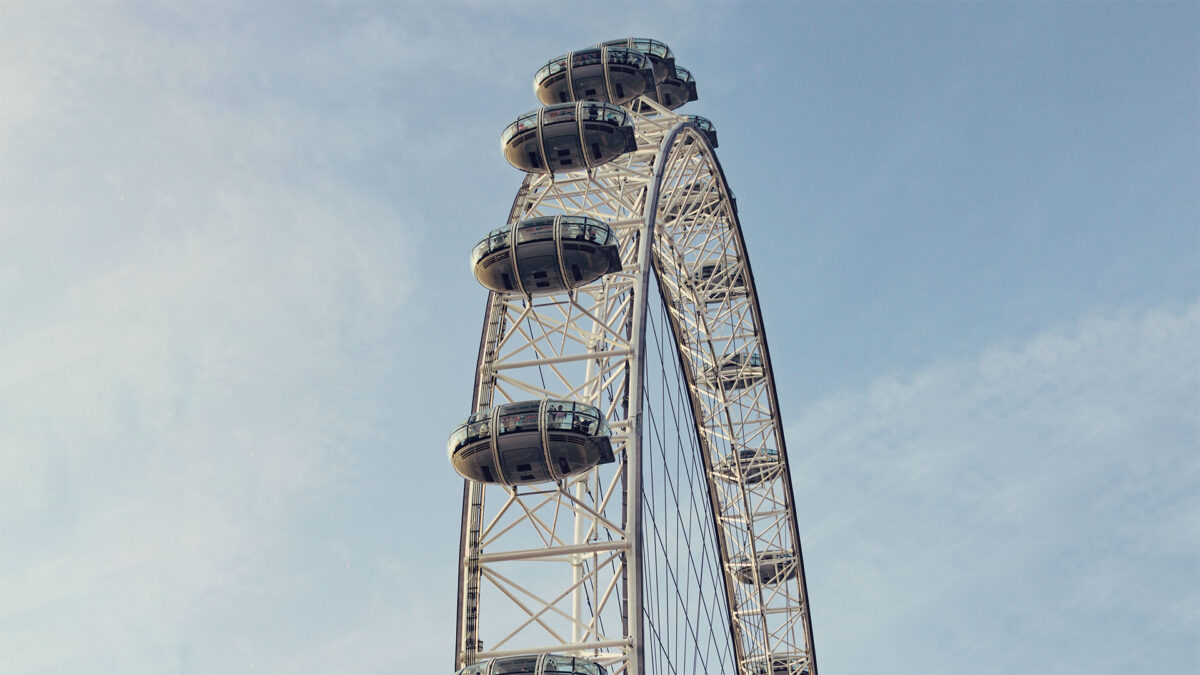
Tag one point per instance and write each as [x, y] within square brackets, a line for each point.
[574, 137]
[535, 664]
[773, 567]
[605, 74]
[535, 442]
[548, 255]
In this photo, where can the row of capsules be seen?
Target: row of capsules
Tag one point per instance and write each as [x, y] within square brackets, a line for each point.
[582, 125]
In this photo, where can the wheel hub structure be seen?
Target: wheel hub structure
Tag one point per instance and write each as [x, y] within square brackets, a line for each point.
[680, 550]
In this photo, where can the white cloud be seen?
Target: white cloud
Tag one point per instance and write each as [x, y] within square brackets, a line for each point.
[1025, 509]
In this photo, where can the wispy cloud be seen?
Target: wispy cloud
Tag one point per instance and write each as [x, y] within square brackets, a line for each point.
[188, 279]
[1022, 508]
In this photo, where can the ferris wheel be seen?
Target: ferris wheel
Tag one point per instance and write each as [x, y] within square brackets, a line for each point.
[628, 506]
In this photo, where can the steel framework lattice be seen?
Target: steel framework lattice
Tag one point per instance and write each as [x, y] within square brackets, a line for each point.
[684, 554]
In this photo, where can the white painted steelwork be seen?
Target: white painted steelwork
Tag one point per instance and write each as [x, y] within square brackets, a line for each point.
[558, 567]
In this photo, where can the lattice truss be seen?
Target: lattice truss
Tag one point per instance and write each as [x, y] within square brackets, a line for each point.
[579, 346]
[553, 568]
[709, 290]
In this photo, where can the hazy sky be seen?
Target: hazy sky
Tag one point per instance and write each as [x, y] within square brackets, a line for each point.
[237, 324]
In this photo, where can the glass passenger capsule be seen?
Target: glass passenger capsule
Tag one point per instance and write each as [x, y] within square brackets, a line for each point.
[718, 279]
[685, 198]
[530, 442]
[547, 255]
[568, 137]
[756, 465]
[603, 73]
[675, 91]
[661, 58]
[706, 127]
[773, 567]
[535, 664]
[736, 371]
[784, 665]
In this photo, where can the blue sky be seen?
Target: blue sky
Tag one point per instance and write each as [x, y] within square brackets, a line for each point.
[237, 325]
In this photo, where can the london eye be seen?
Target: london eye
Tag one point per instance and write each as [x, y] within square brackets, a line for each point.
[627, 501]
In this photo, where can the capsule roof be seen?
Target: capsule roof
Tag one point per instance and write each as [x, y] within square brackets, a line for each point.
[661, 58]
[535, 664]
[645, 45]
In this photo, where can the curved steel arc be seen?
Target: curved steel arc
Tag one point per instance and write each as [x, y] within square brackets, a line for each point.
[671, 268]
[651, 219]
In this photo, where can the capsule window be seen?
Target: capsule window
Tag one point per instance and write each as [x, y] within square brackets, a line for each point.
[477, 430]
[560, 420]
[524, 665]
[585, 423]
[509, 424]
[559, 115]
[538, 230]
[586, 58]
[572, 230]
[499, 239]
